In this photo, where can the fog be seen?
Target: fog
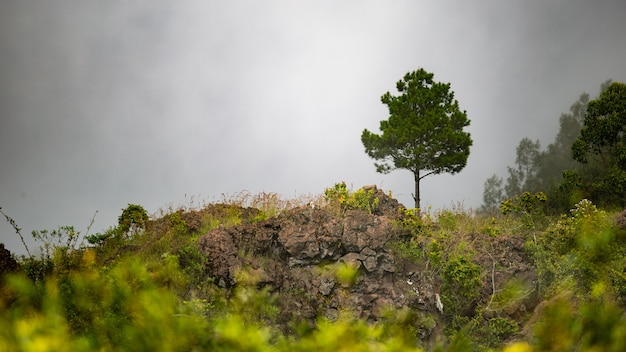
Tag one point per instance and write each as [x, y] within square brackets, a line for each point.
[153, 102]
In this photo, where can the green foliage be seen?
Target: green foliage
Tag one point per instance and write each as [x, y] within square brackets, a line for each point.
[234, 334]
[407, 325]
[597, 324]
[410, 250]
[37, 268]
[492, 230]
[603, 135]
[580, 248]
[364, 200]
[65, 237]
[411, 221]
[346, 274]
[193, 262]
[339, 196]
[554, 170]
[604, 126]
[526, 203]
[500, 329]
[479, 334]
[223, 215]
[150, 291]
[422, 247]
[177, 225]
[434, 253]
[117, 309]
[510, 295]
[350, 334]
[59, 253]
[449, 220]
[528, 207]
[99, 239]
[462, 280]
[133, 218]
[424, 132]
[570, 190]
[256, 307]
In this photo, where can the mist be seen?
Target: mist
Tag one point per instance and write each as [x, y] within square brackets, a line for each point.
[103, 104]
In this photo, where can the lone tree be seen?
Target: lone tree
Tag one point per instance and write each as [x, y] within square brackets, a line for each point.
[424, 133]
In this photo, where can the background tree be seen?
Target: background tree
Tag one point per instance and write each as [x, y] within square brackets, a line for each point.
[424, 133]
[556, 163]
[604, 135]
[493, 194]
[558, 155]
[523, 178]
[553, 170]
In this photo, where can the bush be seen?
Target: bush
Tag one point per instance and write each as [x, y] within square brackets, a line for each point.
[579, 248]
[100, 239]
[461, 282]
[133, 219]
[118, 309]
[341, 197]
[527, 205]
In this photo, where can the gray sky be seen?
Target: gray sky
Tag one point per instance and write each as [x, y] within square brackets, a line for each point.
[105, 103]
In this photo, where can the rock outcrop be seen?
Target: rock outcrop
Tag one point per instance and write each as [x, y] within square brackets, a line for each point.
[298, 250]
[297, 255]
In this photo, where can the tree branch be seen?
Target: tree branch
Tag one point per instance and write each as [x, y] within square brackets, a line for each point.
[428, 174]
[17, 230]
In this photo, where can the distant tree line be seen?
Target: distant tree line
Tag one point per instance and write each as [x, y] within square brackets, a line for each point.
[586, 160]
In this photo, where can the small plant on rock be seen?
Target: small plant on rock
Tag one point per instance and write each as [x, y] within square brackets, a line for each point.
[133, 219]
[340, 197]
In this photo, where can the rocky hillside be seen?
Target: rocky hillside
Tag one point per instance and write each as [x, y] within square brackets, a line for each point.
[352, 269]
[299, 253]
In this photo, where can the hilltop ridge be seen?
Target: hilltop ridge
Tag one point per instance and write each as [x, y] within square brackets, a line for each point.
[299, 270]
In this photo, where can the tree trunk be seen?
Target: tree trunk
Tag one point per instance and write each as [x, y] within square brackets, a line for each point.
[416, 196]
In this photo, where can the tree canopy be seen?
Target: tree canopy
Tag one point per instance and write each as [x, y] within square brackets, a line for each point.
[604, 135]
[424, 133]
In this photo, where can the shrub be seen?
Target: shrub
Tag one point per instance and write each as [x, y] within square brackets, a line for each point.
[133, 219]
[116, 309]
[596, 324]
[341, 197]
[100, 239]
[411, 221]
[461, 282]
[528, 206]
[580, 248]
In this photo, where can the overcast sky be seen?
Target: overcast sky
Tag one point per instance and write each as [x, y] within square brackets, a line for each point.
[106, 103]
